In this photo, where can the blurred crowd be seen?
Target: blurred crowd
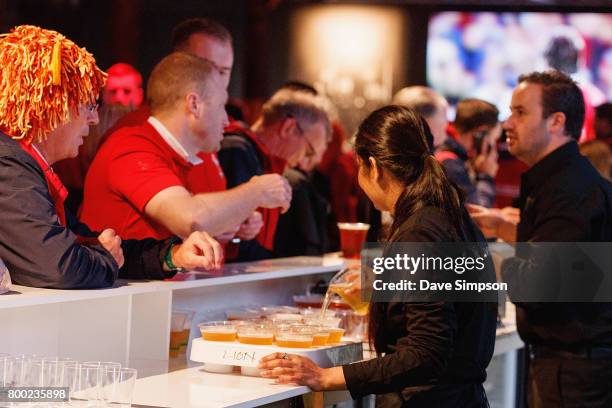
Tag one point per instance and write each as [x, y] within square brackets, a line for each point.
[296, 136]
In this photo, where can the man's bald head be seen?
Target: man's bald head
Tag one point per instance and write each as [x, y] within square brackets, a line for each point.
[429, 104]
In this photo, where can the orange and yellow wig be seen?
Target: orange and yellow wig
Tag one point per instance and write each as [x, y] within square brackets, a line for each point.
[44, 78]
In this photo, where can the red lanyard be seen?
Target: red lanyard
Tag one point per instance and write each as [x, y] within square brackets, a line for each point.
[56, 188]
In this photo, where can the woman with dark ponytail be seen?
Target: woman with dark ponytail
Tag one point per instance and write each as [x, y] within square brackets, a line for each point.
[431, 354]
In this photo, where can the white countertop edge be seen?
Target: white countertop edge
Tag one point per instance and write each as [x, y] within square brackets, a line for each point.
[250, 277]
[285, 394]
[29, 296]
[261, 391]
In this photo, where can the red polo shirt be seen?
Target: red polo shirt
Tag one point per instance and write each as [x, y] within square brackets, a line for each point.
[132, 166]
[210, 169]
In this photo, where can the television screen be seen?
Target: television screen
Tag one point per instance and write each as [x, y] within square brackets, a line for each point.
[481, 54]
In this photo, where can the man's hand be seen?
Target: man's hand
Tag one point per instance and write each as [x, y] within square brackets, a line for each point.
[251, 227]
[199, 250]
[495, 222]
[274, 191]
[112, 243]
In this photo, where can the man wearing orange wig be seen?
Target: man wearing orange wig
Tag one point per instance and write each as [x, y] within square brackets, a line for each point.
[48, 88]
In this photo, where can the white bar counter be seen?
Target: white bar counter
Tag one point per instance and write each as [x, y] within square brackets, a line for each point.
[130, 323]
[194, 387]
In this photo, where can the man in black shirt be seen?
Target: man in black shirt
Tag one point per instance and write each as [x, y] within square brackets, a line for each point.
[563, 199]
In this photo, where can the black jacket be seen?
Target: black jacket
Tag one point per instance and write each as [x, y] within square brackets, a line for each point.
[436, 353]
[563, 199]
[40, 252]
[241, 160]
[302, 230]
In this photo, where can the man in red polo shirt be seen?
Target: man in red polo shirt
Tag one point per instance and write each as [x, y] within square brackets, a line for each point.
[204, 38]
[291, 123]
[211, 41]
[139, 181]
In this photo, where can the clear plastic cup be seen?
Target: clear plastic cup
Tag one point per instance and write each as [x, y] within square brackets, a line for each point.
[88, 388]
[287, 317]
[92, 387]
[43, 373]
[355, 325]
[71, 378]
[19, 374]
[295, 336]
[271, 310]
[118, 387]
[218, 331]
[242, 314]
[329, 322]
[259, 334]
[5, 369]
[316, 312]
[104, 365]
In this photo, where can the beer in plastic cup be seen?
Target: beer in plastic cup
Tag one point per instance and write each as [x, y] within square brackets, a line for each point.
[352, 238]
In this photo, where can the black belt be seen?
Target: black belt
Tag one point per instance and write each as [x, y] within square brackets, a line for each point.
[570, 352]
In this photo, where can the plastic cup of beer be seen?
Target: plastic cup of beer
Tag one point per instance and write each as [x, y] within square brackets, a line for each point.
[218, 331]
[335, 335]
[183, 337]
[295, 336]
[352, 238]
[331, 324]
[177, 325]
[259, 334]
[321, 335]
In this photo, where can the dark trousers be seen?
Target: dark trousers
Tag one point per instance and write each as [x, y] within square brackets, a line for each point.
[569, 382]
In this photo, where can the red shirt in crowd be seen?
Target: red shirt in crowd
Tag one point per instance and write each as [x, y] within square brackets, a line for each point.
[341, 170]
[131, 167]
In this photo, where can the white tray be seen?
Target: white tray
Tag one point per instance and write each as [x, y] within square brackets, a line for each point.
[248, 355]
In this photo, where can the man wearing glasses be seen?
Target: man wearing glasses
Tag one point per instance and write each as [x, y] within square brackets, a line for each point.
[291, 124]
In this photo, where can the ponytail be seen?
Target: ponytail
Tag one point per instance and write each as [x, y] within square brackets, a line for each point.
[431, 188]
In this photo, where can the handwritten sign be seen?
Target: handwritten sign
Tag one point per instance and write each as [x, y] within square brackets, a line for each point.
[240, 356]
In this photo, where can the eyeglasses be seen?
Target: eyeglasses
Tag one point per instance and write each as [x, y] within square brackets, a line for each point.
[91, 107]
[310, 150]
